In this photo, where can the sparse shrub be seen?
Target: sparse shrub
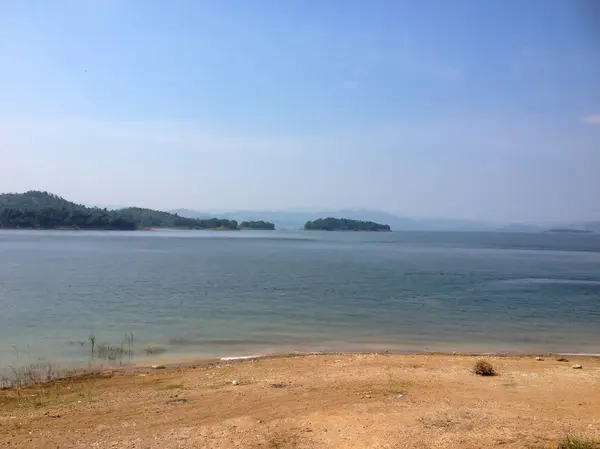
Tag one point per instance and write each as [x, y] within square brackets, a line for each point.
[154, 350]
[109, 352]
[569, 442]
[484, 368]
[40, 373]
[129, 341]
[92, 340]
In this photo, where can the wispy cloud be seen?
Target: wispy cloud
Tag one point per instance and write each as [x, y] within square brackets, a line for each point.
[592, 119]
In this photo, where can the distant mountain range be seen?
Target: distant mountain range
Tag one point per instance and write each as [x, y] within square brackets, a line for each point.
[593, 226]
[42, 209]
[520, 227]
[35, 209]
[292, 220]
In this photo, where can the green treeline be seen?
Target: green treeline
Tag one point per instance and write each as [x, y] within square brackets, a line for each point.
[344, 224]
[262, 225]
[149, 218]
[55, 218]
[43, 210]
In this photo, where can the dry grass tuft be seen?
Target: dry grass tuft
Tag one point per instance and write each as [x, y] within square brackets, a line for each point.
[484, 368]
[569, 442]
[282, 440]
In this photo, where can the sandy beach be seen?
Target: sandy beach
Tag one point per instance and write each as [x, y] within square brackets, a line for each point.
[314, 401]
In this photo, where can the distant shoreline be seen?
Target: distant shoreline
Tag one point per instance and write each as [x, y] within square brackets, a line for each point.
[184, 228]
[69, 229]
[568, 231]
[141, 228]
[348, 230]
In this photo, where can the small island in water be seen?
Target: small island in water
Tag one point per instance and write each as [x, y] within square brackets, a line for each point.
[344, 224]
[257, 225]
[43, 210]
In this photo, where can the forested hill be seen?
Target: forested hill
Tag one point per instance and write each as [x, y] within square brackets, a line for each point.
[36, 200]
[43, 210]
[344, 224]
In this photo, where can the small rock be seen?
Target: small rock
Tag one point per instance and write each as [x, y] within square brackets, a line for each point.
[577, 366]
[400, 396]
[539, 359]
[235, 382]
[158, 366]
[368, 396]
[176, 402]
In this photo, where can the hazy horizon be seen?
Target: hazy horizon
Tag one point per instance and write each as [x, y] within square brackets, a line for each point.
[335, 211]
[483, 111]
[367, 211]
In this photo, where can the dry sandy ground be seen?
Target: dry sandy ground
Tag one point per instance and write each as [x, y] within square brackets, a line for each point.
[320, 401]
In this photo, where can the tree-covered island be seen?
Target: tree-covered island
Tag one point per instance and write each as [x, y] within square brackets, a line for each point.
[257, 225]
[344, 224]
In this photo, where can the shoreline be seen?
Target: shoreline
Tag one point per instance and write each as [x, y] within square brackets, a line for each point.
[180, 363]
[25, 374]
[173, 364]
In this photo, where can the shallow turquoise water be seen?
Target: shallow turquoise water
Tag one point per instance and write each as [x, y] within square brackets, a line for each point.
[236, 293]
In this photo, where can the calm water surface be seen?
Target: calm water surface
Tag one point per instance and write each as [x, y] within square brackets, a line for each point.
[234, 293]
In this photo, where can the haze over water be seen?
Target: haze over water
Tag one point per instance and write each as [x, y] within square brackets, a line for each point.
[207, 293]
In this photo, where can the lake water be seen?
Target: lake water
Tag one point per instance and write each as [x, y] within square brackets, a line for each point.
[208, 293]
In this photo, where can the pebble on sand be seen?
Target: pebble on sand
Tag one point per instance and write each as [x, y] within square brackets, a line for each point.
[577, 366]
[539, 359]
[235, 382]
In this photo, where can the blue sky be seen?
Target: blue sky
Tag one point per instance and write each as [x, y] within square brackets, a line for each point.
[465, 109]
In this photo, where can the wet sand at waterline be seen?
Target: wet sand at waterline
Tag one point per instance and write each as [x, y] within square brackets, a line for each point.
[314, 401]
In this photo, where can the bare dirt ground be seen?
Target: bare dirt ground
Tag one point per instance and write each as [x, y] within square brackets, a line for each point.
[320, 401]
